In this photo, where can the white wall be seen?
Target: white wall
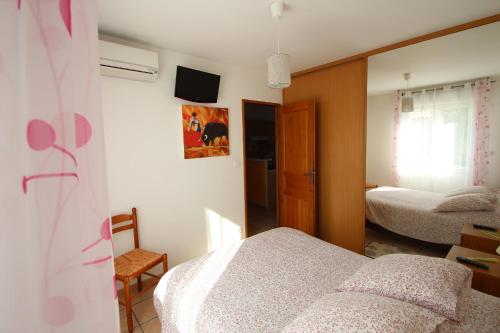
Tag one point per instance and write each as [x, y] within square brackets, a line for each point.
[379, 132]
[146, 168]
[380, 119]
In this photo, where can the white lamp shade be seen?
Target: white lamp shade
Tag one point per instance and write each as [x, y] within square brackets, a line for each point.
[278, 71]
[407, 104]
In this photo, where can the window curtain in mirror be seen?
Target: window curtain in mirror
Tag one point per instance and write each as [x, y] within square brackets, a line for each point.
[395, 141]
[57, 270]
[482, 91]
[435, 143]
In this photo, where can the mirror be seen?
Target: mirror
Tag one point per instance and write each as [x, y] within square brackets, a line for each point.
[431, 133]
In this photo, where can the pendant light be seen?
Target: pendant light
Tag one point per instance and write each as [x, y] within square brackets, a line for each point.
[278, 66]
[407, 100]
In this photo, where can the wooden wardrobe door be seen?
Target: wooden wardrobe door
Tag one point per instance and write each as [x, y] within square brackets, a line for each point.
[340, 94]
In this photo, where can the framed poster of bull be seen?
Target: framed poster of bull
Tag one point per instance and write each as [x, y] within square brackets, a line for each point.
[205, 131]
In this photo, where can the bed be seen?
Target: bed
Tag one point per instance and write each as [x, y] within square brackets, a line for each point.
[409, 213]
[263, 283]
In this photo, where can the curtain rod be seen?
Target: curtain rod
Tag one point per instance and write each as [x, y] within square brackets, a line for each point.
[453, 85]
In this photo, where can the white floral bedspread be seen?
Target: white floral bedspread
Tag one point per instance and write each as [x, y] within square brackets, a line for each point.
[409, 213]
[258, 285]
[262, 284]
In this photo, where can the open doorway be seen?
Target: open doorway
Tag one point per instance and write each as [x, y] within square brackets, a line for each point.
[260, 154]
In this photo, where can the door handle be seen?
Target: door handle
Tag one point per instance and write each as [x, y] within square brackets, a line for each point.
[311, 174]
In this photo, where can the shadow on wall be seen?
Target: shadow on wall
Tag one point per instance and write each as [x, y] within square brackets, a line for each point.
[221, 232]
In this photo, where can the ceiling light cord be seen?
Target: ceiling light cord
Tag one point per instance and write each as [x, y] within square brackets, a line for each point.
[278, 34]
[407, 77]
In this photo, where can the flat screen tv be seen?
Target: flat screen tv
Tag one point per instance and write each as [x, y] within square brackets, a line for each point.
[196, 86]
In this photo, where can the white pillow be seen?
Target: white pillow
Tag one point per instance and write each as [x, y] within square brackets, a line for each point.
[357, 312]
[432, 283]
[491, 196]
[469, 190]
[466, 203]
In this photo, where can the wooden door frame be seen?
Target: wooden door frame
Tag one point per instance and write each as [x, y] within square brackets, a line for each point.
[276, 107]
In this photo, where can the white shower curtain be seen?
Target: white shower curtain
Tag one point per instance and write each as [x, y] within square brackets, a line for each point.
[56, 272]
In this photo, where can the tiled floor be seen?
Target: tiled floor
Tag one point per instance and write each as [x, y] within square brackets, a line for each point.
[260, 219]
[374, 233]
[144, 314]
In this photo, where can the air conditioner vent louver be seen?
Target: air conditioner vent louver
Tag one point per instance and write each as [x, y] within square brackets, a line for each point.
[127, 62]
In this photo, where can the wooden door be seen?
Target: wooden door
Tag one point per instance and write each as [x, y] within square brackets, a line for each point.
[297, 166]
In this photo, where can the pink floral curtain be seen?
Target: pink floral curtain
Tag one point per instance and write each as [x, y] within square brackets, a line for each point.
[482, 92]
[395, 148]
[55, 242]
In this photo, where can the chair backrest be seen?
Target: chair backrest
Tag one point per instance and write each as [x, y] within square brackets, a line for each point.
[118, 219]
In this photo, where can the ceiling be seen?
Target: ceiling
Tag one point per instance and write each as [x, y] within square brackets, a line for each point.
[461, 56]
[313, 32]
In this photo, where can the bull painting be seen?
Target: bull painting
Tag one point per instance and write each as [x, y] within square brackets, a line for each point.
[205, 131]
[213, 131]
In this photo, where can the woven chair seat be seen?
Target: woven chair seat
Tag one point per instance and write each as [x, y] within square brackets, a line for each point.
[135, 262]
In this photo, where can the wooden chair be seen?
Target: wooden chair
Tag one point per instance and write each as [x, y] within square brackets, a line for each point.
[135, 263]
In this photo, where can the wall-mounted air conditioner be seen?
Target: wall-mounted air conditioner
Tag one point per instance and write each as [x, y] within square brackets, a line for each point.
[127, 62]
